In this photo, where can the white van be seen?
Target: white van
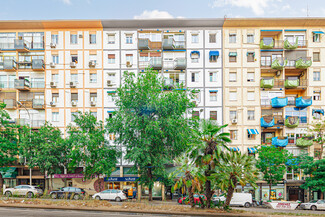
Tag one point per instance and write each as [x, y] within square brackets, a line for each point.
[239, 199]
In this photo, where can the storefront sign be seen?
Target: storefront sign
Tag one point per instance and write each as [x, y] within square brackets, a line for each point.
[68, 176]
[282, 205]
[120, 179]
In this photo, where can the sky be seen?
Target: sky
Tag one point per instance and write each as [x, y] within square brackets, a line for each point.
[157, 9]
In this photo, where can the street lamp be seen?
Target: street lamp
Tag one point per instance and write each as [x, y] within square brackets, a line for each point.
[30, 136]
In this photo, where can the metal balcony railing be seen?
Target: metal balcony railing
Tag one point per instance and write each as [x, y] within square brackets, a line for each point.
[38, 64]
[10, 103]
[144, 44]
[22, 45]
[180, 63]
[22, 84]
[38, 103]
[300, 63]
[268, 43]
[9, 64]
[171, 44]
[156, 63]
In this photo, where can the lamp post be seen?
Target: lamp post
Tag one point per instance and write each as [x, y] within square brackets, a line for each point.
[30, 136]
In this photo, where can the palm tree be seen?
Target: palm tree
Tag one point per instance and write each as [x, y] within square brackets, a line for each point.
[235, 168]
[205, 150]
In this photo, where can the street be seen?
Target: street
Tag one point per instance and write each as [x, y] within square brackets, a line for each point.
[267, 211]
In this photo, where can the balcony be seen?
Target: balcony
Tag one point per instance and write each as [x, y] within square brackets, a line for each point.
[304, 101]
[38, 84]
[304, 142]
[295, 83]
[38, 65]
[272, 121]
[292, 45]
[10, 103]
[300, 63]
[9, 65]
[180, 64]
[156, 63]
[7, 46]
[279, 63]
[171, 44]
[169, 82]
[279, 102]
[32, 123]
[38, 104]
[279, 142]
[270, 43]
[22, 45]
[144, 44]
[22, 84]
[291, 122]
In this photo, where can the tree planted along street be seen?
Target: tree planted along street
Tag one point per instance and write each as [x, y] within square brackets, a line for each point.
[150, 123]
[317, 129]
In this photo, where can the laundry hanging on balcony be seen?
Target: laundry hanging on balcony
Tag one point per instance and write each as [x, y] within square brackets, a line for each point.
[235, 149]
[252, 150]
[291, 122]
[252, 131]
[320, 111]
[267, 121]
[303, 63]
[267, 43]
[291, 83]
[279, 102]
[267, 82]
[279, 142]
[279, 64]
[301, 142]
[291, 46]
[303, 102]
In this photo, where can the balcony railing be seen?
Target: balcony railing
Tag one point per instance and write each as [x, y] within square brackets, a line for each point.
[10, 103]
[300, 63]
[22, 84]
[22, 45]
[291, 45]
[38, 65]
[295, 83]
[24, 65]
[180, 63]
[144, 64]
[144, 44]
[171, 44]
[172, 82]
[38, 103]
[7, 46]
[268, 43]
[33, 123]
[267, 82]
[156, 63]
[9, 65]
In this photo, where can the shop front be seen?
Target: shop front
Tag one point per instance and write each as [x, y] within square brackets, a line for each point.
[157, 190]
[263, 191]
[23, 177]
[9, 175]
[295, 192]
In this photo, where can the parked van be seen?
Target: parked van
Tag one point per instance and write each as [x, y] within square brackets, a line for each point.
[238, 199]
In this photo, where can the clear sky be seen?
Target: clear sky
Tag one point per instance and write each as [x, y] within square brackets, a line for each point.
[137, 9]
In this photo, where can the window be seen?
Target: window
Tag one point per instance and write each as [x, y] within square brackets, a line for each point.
[251, 95]
[232, 115]
[111, 58]
[111, 97]
[232, 56]
[93, 97]
[213, 58]
[129, 39]
[195, 38]
[55, 77]
[233, 134]
[92, 38]
[93, 77]
[74, 58]
[300, 113]
[213, 115]
[232, 76]
[111, 38]
[112, 78]
[213, 76]
[55, 59]
[129, 59]
[250, 56]
[195, 77]
[316, 37]
[195, 57]
[212, 38]
[73, 116]
[233, 95]
[316, 76]
[195, 114]
[316, 56]
[110, 114]
[266, 61]
[213, 96]
[250, 38]
[55, 116]
[317, 113]
[250, 115]
[316, 95]
[232, 38]
[55, 97]
[250, 76]
[251, 136]
[54, 39]
[74, 97]
[73, 39]
[74, 78]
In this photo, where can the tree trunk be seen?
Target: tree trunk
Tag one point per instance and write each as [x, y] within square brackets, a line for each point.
[188, 177]
[270, 185]
[150, 181]
[99, 184]
[51, 177]
[1, 183]
[322, 195]
[208, 191]
[202, 202]
[230, 192]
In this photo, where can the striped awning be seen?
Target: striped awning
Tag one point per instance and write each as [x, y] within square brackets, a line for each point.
[252, 131]
[234, 148]
[252, 150]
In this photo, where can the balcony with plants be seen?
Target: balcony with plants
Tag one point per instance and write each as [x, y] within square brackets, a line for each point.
[291, 122]
[271, 82]
[279, 63]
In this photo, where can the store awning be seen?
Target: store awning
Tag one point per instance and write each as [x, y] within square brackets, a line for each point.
[232, 54]
[252, 131]
[252, 150]
[234, 149]
[320, 111]
[213, 53]
[250, 53]
[213, 91]
[195, 52]
[8, 172]
[318, 32]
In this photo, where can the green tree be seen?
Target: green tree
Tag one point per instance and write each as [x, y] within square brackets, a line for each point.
[317, 128]
[272, 164]
[235, 168]
[150, 123]
[205, 151]
[91, 149]
[8, 140]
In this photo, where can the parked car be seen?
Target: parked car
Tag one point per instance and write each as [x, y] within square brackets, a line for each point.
[68, 192]
[238, 199]
[24, 190]
[110, 194]
[314, 205]
[185, 200]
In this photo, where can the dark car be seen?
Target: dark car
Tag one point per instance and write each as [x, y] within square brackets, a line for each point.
[68, 192]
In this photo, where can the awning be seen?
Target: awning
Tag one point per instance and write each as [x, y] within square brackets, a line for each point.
[195, 52]
[234, 149]
[320, 111]
[8, 172]
[110, 111]
[111, 91]
[252, 131]
[252, 150]
[213, 91]
[232, 54]
[250, 52]
[213, 53]
[318, 32]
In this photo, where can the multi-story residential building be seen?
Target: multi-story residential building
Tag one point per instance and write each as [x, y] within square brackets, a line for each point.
[273, 80]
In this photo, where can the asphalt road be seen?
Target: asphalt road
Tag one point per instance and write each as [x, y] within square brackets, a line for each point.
[22, 212]
[266, 211]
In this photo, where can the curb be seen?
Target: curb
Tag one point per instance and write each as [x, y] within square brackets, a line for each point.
[130, 211]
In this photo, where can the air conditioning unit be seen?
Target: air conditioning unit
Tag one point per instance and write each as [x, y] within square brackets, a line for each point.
[234, 121]
[73, 64]
[80, 36]
[92, 63]
[52, 65]
[110, 83]
[53, 84]
[53, 103]
[72, 84]
[92, 103]
[128, 64]
[52, 45]
[74, 103]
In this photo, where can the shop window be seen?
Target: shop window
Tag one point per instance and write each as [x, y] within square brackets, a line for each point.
[316, 56]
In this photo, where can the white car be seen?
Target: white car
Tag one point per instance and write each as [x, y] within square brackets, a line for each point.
[313, 205]
[238, 199]
[110, 194]
[23, 190]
